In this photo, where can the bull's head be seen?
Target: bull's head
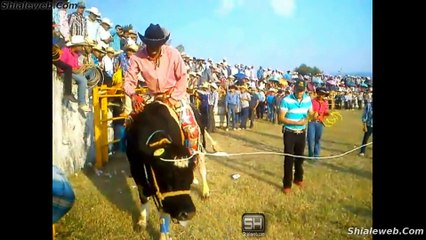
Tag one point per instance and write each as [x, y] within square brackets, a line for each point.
[160, 161]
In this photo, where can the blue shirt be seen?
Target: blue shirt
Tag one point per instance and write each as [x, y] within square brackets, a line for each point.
[232, 98]
[367, 116]
[296, 110]
[116, 39]
[124, 61]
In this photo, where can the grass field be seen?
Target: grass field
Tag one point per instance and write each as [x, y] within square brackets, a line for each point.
[338, 192]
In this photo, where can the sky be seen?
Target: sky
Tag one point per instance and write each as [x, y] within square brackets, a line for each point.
[281, 34]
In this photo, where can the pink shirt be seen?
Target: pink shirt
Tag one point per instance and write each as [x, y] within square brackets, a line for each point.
[169, 74]
[320, 107]
[70, 58]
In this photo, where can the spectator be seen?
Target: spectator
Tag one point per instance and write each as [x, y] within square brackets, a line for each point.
[98, 54]
[104, 37]
[123, 58]
[92, 23]
[254, 103]
[316, 126]
[77, 22]
[70, 55]
[221, 106]
[367, 121]
[245, 98]
[231, 102]
[260, 110]
[67, 70]
[60, 20]
[294, 113]
[213, 98]
[86, 57]
[116, 34]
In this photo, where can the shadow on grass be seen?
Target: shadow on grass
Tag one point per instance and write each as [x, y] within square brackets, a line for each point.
[226, 162]
[359, 211]
[351, 170]
[250, 143]
[112, 183]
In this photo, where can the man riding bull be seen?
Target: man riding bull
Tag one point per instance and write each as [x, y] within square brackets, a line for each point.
[165, 75]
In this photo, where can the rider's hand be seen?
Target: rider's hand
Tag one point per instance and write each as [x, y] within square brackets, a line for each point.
[137, 102]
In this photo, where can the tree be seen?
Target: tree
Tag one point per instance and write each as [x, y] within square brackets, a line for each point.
[180, 48]
[304, 69]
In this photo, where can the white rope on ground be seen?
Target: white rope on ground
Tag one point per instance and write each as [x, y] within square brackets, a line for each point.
[225, 154]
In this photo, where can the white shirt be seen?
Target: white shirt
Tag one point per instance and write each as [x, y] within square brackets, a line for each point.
[92, 29]
[108, 66]
[103, 35]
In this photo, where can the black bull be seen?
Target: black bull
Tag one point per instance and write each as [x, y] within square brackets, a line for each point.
[153, 129]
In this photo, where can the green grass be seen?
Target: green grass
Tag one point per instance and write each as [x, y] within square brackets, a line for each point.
[338, 192]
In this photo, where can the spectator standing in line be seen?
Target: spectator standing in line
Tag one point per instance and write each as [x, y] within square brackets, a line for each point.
[104, 37]
[92, 23]
[231, 101]
[254, 103]
[212, 100]
[245, 98]
[77, 22]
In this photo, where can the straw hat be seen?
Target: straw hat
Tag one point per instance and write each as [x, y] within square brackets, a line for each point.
[214, 85]
[205, 85]
[76, 40]
[110, 50]
[99, 48]
[90, 42]
[106, 21]
[94, 10]
[132, 47]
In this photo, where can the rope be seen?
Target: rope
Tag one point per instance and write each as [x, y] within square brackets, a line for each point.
[225, 154]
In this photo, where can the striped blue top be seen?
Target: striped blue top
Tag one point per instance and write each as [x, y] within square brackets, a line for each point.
[296, 110]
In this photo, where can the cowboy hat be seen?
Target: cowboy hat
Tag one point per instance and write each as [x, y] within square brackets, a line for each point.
[205, 85]
[99, 48]
[110, 50]
[90, 42]
[322, 90]
[94, 10]
[106, 21]
[76, 40]
[154, 36]
[214, 85]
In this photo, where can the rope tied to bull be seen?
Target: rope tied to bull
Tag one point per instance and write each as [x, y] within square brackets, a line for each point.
[225, 154]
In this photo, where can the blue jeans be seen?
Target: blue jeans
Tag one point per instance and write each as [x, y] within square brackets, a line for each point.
[271, 113]
[81, 80]
[231, 115]
[366, 137]
[244, 117]
[314, 136]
